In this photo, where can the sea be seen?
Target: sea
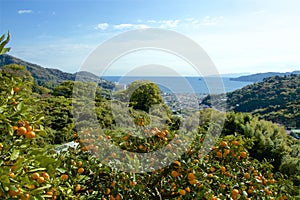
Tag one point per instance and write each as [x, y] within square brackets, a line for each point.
[195, 85]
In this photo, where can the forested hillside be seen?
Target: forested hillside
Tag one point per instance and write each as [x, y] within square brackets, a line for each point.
[50, 78]
[276, 98]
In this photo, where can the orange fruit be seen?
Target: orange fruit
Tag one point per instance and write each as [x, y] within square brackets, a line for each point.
[235, 143]
[246, 175]
[182, 192]
[219, 154]
[223, 169]
[28, 128]
[35, 176]
[223, 186]
[212, 169]
[210, 175]
[15, 128]
[79, 163]
[226, 152]
[177, 163]
[14, 193]
[187, 189]
[64, 177]
[113, 184]
[50, 193]
[193, 181]
[30, 134]
[31, 187]
[243, 154]
[16, 89]
[191, 176]
[11, 174]
[224, 144]
[118, 197]
[234, 193]
[107, 191]
[40, 179]
[113, 155]
[80, 170]
[175, 174]
[22, 130]
[45, 175]
[178, 141]
[77, 188]
[25, 196]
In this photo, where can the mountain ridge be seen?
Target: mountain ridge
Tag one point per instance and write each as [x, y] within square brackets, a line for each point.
[50, 77]
[261, 76]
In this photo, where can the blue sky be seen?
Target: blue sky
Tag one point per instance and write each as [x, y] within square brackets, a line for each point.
[238, 35]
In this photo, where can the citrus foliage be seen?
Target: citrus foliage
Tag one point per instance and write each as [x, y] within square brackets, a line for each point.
[32, 168]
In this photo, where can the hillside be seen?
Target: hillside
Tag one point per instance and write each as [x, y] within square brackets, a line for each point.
[48, 77]
[277, 99]
[260, 76]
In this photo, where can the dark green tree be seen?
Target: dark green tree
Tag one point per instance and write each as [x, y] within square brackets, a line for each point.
[143, 95]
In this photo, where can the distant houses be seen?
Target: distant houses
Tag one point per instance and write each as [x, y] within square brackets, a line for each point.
[295, 133]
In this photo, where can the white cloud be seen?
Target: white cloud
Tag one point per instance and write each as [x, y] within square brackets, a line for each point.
[24, 12]
[130, 26]
[102, 26]
[169, 23]
[211, 21]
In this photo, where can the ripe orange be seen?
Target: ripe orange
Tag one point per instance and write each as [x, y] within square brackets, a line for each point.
[45, 175]
[14, 193]
[187, 189]
[25, 196]
[182, 192]
[16, 89]
[223, 186]
[223, 169]
[219, 154]
[175, 174]
[246, 175]
[80, 170]
[234, 193]
[113, 155]
[113, 184]
[226, 152]
[191, 176]
[224, 144]
[22, 130]
[210, 175]
[28, 128]
[15, 128]
[40, 179]
[31, 187]
[35, 176]
[107, 191]
[30, 135]
[79, 163]
[77, 188]
[235, 143]
[177, 163]
[11, 174]
[243, 154]
[50, 193]
[64, 177]
[212, 169]
[118, 197]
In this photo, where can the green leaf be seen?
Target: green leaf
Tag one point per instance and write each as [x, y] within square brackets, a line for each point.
[61, 170]
[38, 169]
[5, 179]
[14, 155]
[20, 106]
